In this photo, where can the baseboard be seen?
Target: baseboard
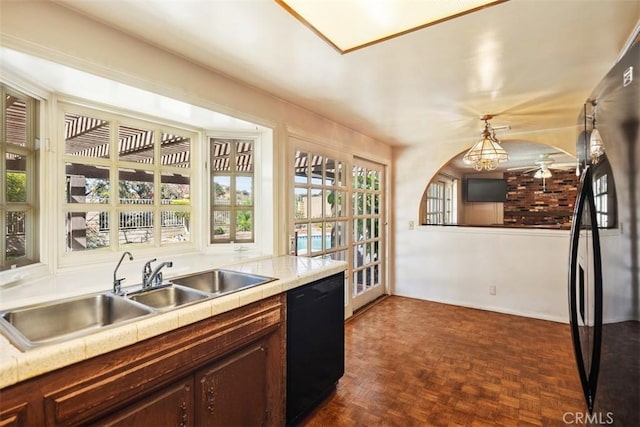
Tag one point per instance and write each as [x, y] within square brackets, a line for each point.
[540, 316]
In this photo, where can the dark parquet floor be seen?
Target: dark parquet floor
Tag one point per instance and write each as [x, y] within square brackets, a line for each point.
[417, 363]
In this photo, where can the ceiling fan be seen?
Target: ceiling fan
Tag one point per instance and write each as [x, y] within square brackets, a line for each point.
[543, 166]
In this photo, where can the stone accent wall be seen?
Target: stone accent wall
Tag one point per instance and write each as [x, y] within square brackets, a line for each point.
[528, 203]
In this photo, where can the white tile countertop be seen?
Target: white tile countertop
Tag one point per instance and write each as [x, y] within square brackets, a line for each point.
[290, 271]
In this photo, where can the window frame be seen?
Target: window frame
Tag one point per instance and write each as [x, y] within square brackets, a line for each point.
[31, 153]
[117, 118]
[263, 198]
[233, 207]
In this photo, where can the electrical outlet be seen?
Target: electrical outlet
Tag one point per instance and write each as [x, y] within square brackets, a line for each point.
[492, 290]
[411, 225]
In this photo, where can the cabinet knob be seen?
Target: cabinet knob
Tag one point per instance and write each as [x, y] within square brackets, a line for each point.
[211, 397]
[184, 417]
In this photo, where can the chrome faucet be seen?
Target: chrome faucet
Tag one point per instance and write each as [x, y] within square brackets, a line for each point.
[146, 272]
[153, 278]
[117, 283]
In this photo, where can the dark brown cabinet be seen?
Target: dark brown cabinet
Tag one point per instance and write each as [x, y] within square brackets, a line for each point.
[171, 406]
[225, 370]
[234, 390]
[14, 417]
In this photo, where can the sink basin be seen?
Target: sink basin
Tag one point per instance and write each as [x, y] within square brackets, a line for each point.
[167, 297]
[220, 282]
[61, 320]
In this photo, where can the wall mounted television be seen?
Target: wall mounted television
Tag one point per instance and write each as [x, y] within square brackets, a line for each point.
[486, 190]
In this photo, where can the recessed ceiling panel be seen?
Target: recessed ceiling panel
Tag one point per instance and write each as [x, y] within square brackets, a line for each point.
[352, 24]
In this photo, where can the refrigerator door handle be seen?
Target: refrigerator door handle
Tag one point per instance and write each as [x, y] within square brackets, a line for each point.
[588, 374]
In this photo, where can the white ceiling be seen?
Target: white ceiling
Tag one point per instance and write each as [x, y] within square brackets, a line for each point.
[532, 63]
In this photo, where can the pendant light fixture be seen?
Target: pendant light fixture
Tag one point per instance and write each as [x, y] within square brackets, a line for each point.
[487, 153]
[543, 173]
[596, 147]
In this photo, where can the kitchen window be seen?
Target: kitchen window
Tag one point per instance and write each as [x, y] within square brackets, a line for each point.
[127, 182]
[232, 190]
[19, 189]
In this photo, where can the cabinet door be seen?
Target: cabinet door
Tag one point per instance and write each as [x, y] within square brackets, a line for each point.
[171, 406]
[14, 417]
[233, 392]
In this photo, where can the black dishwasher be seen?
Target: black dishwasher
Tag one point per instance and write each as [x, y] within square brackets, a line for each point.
[315, 344]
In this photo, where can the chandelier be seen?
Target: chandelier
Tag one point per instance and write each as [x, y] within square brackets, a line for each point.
[487, 153]
[596, 147]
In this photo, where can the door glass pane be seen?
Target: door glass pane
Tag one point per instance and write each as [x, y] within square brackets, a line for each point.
[301, 203]
[316, 203]
[339, 234]
[337, 203]
[16, 178]
[316, 169]
[330, 203]
[357, 177]
[86, 136]
[358, 229]
[376, 274]
[360, 253]
[330, 235]
[302, 232]
[375, 180]
[135, 145]
[16, 121]
[317, 234]
[330, 177]
[86, 183]
[301, 167]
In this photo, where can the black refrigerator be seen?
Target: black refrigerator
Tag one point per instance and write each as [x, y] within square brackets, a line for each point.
[604, 285]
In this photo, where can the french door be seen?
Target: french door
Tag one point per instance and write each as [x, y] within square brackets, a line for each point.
[338, 213]
[368, 232]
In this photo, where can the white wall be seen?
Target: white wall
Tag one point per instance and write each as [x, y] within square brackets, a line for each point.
[457, 265]
[528, 267]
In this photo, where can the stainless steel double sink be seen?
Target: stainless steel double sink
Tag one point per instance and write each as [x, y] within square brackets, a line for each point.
[58, 321]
